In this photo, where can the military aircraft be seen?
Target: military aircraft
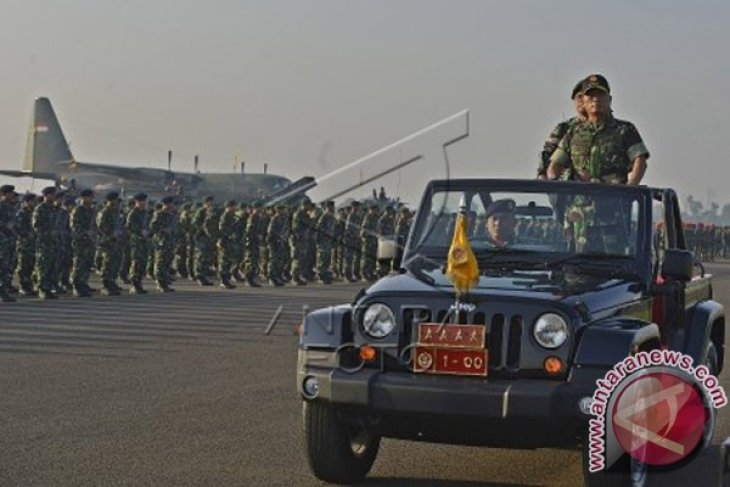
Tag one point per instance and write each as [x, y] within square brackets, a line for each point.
[48, 156]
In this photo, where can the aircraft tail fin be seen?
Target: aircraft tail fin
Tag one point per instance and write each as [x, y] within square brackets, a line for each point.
[47, 146]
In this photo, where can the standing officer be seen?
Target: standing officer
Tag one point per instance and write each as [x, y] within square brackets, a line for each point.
[299, 243]
[276, 238]
[65, 252]
[181, 245]
[227, 244]
[7, 241]
[600, 148]
[110, 226]
[204, 243]
[137, 236]
[369, 239]
[253, 245]
[83, 243]
[163, 228]
[26, 244]
[352, 243]
[325, 241]
[46, 230]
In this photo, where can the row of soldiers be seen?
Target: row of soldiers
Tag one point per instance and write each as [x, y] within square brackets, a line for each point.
[55, 241]
[708, 242]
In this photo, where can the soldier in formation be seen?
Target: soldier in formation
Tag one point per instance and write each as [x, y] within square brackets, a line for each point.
[53, 242]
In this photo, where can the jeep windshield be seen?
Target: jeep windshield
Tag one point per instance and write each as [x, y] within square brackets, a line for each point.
[531, 225]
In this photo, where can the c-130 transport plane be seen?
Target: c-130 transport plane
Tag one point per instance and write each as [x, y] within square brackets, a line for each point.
[48, 156]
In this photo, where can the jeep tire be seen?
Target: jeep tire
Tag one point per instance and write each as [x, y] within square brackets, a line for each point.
[337, 451]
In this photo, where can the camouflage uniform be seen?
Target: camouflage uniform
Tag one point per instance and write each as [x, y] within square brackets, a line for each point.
[110, 227]
[601, 152]
[65, 252]
[227, 245]
[253, 245]
[239, 250]
[299, 244]
[125, 245]
[276, 241]
[326, 226]
[46, 230]
[25, 247]
[369, 244]
[7, 246]
[83, 241]
[204, 243]
[351, 245]
[163, 229]
[338, 243]
[182, 248]
[552, 143]
[137, 237]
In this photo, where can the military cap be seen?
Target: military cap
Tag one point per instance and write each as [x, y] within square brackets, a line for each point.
[86, 193]
[140, 197]
[29, 197]
[187, 205]
[403, 209]
[230, 204]
[48, 190]
[167, 200]
[69, 200]
[243, 204]
[355, 204]
[112, 196]
[329, 204]
[208, 198]
[500, 206]
[595, 82]
[7, 189]
[158, 206]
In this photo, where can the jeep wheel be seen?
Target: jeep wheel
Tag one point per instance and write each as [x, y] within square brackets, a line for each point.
[337, 451]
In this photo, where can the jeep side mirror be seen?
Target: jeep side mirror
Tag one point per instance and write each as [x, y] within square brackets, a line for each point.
[678, 265]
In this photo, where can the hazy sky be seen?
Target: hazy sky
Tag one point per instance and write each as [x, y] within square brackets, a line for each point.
[312, 85]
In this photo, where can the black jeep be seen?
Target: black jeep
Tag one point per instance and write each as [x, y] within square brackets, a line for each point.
[582, 276]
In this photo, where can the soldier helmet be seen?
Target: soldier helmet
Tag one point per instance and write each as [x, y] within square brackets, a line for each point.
[208, 199]
[158, 206]
[85, 193]
[329, 204]
[230, 204]
[29, 197]
[355, 204]
[7, 189]
[403, 209]
[112, 196]
[140, 197]
[69, 200]
[48, 190]
[168, 200]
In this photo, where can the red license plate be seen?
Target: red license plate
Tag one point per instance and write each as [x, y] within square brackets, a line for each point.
[451, 336]
[453, 361]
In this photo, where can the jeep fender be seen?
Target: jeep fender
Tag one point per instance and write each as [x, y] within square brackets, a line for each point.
[700, 319]
[326, 327]
[606, 343]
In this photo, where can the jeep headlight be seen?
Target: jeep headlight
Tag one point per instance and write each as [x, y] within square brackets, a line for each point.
[550, 330]
[378, 320]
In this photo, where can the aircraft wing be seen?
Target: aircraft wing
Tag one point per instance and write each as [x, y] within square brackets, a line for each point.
[28, 174]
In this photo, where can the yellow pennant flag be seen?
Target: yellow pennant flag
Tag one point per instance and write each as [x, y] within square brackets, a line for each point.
[461, 265]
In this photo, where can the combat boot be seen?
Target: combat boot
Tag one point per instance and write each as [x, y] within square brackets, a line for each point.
[299, 281]
[203, 281]
[46, 294]
[137, 288]
[81, 292]
[252, 283]
[26, 289]
[227, 284]
[164, 287]
[109, 289]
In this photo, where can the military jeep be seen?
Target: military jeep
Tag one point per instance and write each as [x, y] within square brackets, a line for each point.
[590, 274]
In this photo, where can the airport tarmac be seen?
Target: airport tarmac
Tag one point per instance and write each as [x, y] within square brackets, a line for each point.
[187, 389]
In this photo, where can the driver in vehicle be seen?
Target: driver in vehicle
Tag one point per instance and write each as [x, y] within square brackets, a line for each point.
[501, 223]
